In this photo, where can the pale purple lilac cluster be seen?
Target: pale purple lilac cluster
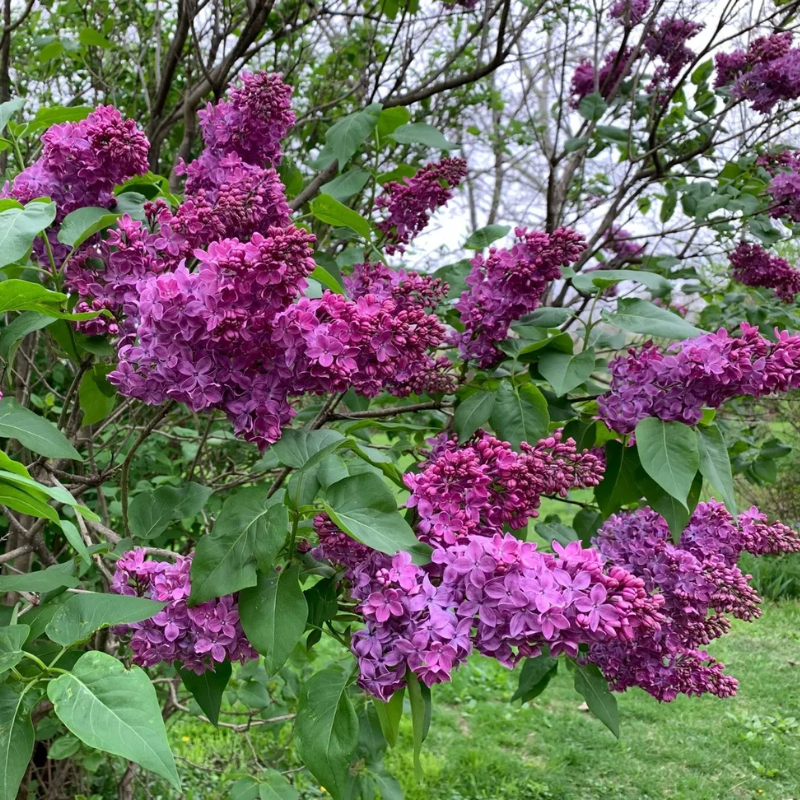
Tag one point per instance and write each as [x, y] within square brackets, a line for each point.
[766, 73]
[706, 371]
[700, 583]
[479, 487]
[754, 266]
[506, 284]
[409, 204]
[196, 638]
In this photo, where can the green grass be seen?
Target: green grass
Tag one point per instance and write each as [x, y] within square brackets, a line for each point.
[482, 748]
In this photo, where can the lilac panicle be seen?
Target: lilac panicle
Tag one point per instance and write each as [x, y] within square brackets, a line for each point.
[754, 266]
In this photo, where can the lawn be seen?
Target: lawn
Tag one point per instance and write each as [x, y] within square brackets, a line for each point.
[481, 747]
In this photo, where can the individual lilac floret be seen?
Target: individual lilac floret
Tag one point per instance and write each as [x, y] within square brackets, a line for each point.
[507, 284]
[410, 204]
[629, 12]
[197, 638]
[699, 372]
[700, 583]
[754, 266]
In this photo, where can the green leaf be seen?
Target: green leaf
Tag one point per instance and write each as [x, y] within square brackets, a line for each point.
[520, 414]
[419, 697]
[63, 747]
[483, 237]
[96, 395]
[208, 688]
[534, 677]
[641, 316]
[18, 295]
[291, 177]
[674, 511]
[364, 508]
[22, 501]
[78, 226]
[592, 107]
[564, 372]
[57, 493]
[324, 277]
[586, 523]
[50, 51]
[326, 729]
[611, 133]
[275, 786]
[703, 72]
[473, 413]
[42, 581]
[55, 115]
[715, 463]
[590, 683]
[250, 530]
[348, 134]
[244, 789]
[115, 710]
[9, 109]
[73, 536]
[151, 512]
[328, 209]
[669, 454]
[20, 226]
[556, 532]
[618, 487]
[13, 333]
[390, 119]
[84, 613]
[668, 206]
[16, 738]
[576, 143]
[421, 133]
[603, 278]
[93, 38]
[547, 317]
[12, 637]
[304, 448]
[345, 186]
[389, 716]
[274, 614]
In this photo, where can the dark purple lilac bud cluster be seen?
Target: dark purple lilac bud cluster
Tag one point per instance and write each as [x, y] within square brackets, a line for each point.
[667, 42]
[507, 284]
[482, 485]
[629, 12]
[765, 74]
[754, 266]
[700, 583]
[409, 204]
[197, 638]
[706, 371]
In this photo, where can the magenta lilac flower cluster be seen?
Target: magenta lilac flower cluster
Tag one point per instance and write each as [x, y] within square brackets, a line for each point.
[480, 486]
[197, 638]
[507, 284]
[700, 583]
[667, 42]
[699, 372]
[409, 204]
[754, 266]
[586, 79]
[765, 74]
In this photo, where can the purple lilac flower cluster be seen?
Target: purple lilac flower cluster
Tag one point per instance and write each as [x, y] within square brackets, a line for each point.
[754, 266]
[699, 372]
[507, 284]
[766, 73]
[198, 637]
[666, 42]
[700, 583]
[629, 12]
[80, 164]
[482, 485]
[623, 246]
[410, 203]
[204, 296]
